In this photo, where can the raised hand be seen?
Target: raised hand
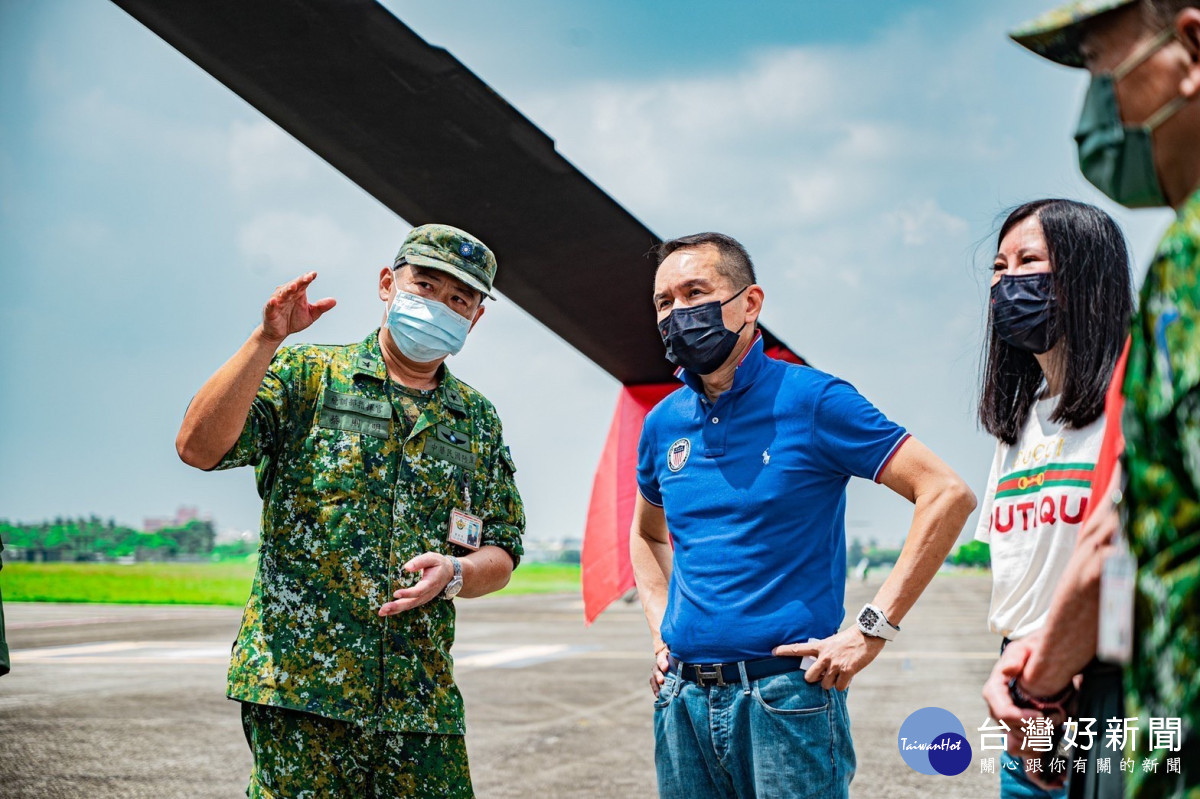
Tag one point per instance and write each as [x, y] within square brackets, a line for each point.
[289, 311]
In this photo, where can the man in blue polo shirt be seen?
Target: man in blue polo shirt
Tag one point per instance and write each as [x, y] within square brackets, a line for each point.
[739, 542]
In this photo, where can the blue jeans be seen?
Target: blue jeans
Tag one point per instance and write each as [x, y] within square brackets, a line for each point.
[1015, 785]
[772, 738]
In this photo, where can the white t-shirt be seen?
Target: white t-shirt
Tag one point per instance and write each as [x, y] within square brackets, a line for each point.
[1036, 497]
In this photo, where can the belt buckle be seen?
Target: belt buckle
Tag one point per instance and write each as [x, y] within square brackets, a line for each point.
[707, 672]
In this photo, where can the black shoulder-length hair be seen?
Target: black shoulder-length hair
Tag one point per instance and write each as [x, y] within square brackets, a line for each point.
[1089, 267]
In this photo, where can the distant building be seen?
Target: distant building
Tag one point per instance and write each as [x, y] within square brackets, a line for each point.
[543, 550]
[183, 515]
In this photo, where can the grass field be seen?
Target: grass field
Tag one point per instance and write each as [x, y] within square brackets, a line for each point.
[226, 583]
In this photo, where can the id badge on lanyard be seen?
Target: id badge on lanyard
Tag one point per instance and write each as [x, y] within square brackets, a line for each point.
[466, 529]
[1118, 581]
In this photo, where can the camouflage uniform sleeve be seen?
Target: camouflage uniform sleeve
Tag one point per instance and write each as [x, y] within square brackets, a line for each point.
[503, 512]
[263, 432]
[1187, 420]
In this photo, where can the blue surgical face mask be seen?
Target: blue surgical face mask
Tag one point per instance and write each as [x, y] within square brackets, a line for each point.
[1116, 158]
[425, 330]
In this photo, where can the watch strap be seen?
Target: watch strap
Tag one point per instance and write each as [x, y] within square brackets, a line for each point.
[455, 585]
[881, 627]
[1054, 703]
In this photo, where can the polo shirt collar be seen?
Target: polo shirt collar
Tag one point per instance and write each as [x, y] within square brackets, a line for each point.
[753, 360]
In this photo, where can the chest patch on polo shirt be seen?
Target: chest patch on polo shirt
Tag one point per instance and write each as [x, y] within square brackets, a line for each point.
[677, 454]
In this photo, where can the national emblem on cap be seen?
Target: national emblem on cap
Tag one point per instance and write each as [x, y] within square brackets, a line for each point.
[1057, 34]
[453, 251]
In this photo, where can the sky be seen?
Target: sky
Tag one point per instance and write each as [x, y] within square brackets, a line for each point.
[864, 153]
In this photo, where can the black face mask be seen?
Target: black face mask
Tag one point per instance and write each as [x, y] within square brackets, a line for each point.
[1023, 311]
[697, 338]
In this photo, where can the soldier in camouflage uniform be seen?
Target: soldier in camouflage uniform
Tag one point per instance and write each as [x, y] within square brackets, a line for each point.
[1139, 142]
[375, 465]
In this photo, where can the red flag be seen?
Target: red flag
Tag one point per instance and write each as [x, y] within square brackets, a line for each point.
[606, 570]
[1112, 446]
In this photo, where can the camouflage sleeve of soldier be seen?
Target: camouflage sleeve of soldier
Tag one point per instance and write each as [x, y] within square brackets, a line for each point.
[1170, 330]
[274, 407]
[1187, 417]
[502, 511]
[1184, 327]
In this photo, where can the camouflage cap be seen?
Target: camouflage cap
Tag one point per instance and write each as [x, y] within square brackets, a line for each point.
[453, 251]
[1056, 35]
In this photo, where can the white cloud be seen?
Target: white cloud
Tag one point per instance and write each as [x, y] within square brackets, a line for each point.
[290, 243]
[921, 222]
[843, 170]
[859, 175]
[798, 138]
[262, 156]
[116, 130]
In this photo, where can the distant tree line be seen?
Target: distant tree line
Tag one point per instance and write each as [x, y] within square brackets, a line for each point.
[874, 554]
[91, 539]
[973, 553]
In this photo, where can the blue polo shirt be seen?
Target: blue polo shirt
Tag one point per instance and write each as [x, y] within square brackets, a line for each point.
[754, 491]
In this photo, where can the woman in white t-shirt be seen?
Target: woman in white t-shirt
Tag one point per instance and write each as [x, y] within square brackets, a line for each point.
[1059, 314]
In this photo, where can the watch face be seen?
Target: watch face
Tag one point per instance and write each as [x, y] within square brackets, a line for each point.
[868, 618]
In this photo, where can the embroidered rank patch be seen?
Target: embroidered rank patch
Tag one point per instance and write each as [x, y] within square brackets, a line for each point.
[450, 444]
[677, 454]
[453, 437]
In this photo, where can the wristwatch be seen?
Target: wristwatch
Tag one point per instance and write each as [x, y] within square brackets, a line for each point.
[455, 584]
[1044, 704]
[873, 622]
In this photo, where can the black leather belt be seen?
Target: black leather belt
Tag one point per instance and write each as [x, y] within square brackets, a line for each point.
[729, 674]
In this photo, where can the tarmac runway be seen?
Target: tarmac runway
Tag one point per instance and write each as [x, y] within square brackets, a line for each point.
[128, 701]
